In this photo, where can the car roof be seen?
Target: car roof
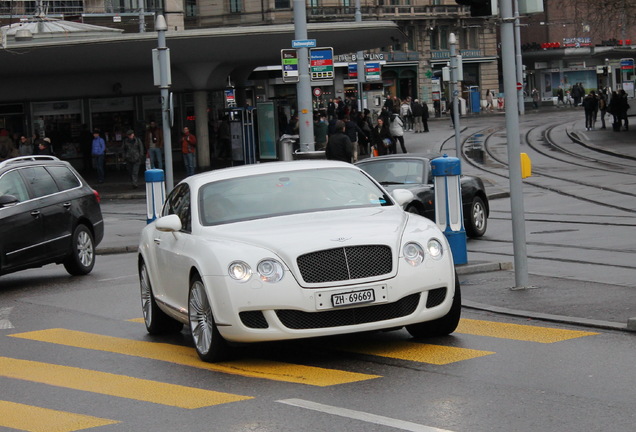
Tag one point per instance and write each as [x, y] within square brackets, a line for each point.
[419, 156]
[27, 160]
[263, 168]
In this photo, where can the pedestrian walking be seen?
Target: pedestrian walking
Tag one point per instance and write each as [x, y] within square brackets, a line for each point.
[98, 150]
[396, 128]
[602, 106]
[418, 111]
[560, 95]
[339, 146]
[406, 112]
[133, 152]
[353, 131]
[381, 140]
[154, 145]
[623, 108]
[590, 105]
[189, 151]
[489, 101]
[321, 129]
[536, 98]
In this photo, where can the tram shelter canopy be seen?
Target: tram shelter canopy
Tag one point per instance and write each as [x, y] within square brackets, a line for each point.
[71, 66]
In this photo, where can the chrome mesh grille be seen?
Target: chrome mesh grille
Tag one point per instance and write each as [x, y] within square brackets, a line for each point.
[435, 297]
[300, 320]
[339, 264]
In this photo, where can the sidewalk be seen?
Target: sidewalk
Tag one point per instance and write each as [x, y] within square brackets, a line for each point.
[486, 285]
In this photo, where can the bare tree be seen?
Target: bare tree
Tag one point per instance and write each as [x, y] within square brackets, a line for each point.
[603, 19]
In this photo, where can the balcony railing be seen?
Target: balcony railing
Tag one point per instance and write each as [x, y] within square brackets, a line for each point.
[387, 12]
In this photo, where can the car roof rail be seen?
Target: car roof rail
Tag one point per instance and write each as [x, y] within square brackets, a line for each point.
[33, 158]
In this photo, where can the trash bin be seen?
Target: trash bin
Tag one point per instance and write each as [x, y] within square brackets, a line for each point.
[317, 154]
[286, 145]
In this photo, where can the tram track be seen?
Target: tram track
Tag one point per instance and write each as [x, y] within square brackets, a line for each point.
[486, 149]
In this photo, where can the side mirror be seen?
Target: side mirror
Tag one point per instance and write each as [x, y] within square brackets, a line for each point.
[402, 196]
[8, 201]
[170, 223]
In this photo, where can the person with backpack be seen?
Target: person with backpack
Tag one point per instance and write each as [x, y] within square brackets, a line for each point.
[396, 128]
[133, 152]
[406, 112]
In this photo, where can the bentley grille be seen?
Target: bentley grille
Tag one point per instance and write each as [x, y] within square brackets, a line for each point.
[340, 264]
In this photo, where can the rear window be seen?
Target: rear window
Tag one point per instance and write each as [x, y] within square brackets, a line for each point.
[64, 177]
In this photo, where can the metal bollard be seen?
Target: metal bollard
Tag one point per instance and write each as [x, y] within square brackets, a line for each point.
[448, 205]
[155, 193]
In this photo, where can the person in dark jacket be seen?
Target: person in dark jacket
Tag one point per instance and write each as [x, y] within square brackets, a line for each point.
[354, 132]
[339, 145]
[381, 138]
[590, 105]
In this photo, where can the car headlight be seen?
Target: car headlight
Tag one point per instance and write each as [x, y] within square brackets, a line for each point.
[240, 271]
[270, 270]
[413, 254]
[435, 249]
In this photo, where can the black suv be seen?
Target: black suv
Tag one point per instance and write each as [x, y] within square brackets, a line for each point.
[48, 214]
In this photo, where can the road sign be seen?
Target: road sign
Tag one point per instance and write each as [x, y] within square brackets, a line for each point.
[519, 86]
[289, 59]
[321, 63]
[304, 43]
[317, 92]
[353, 70]
[627, 63]
[372, 71]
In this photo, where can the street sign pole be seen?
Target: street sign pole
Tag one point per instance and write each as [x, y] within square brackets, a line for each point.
[303, 88]
[360, 61]
[513, 138]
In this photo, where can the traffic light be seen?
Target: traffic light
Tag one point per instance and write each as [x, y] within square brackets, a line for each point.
[480, 8]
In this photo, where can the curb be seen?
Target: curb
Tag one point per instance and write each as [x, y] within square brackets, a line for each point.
[583, 322]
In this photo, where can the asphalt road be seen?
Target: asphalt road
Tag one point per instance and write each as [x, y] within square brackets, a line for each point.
[75, 354]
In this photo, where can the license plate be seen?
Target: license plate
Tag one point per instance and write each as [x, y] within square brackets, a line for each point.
[354, 297]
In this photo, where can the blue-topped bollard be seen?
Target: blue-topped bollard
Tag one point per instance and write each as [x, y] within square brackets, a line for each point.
[448, 205]
[155, 193]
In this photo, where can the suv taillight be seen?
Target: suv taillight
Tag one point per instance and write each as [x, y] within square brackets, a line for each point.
[97, 197]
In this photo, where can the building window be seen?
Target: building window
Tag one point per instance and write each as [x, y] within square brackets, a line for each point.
[191, 8]
[314, 3]
[346, 3]
[470, 39]
[282, 4]
[235, 6]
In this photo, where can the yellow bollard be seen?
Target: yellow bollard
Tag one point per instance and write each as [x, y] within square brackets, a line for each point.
[526, 166]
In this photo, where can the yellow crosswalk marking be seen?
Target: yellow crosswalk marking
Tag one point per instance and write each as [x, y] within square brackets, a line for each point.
[113, 385]
[417, 352]
[35, 419]
[187, 356]
[518, 331]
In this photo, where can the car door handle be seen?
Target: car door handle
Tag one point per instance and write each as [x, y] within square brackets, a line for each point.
[157, 241]
[35, 213]
[67, 205]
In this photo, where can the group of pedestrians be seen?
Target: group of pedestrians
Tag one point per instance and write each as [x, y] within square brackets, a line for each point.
[14, 145]
[615, 104]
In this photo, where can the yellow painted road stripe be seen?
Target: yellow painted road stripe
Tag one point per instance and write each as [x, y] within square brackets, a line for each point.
[518, 331]
[35, 419]
[113, 385]
[416, 352]
[187, 356]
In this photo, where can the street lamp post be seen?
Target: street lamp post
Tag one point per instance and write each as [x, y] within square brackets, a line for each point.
[303, 88]
[164, 87]
[452, 41]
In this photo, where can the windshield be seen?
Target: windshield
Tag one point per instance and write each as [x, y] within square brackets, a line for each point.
[397, 172]
[266, 195]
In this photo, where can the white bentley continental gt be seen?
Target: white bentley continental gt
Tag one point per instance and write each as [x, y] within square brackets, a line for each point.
[291, 250]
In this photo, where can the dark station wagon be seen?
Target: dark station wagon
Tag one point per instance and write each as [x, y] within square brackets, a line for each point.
[48, 214]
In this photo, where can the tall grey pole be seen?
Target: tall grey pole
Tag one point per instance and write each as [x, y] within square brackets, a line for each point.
[452, 41]
[360, 61]
[164, 86]
[514, 155]
[142, 16]
[303, 88]
[519, 62]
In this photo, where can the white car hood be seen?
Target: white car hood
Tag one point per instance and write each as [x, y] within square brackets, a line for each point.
[294, 235]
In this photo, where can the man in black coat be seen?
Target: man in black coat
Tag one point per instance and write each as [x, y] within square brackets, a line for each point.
[339, 145]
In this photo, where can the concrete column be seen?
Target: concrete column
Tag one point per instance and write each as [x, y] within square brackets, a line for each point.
[203, 138]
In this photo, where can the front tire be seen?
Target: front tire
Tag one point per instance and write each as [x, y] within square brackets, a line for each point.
[477, 219]
[157, 322]
[82, 258]
[442, 326]
[210, 345]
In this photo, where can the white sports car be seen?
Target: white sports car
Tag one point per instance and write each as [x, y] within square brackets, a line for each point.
[290, 250]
